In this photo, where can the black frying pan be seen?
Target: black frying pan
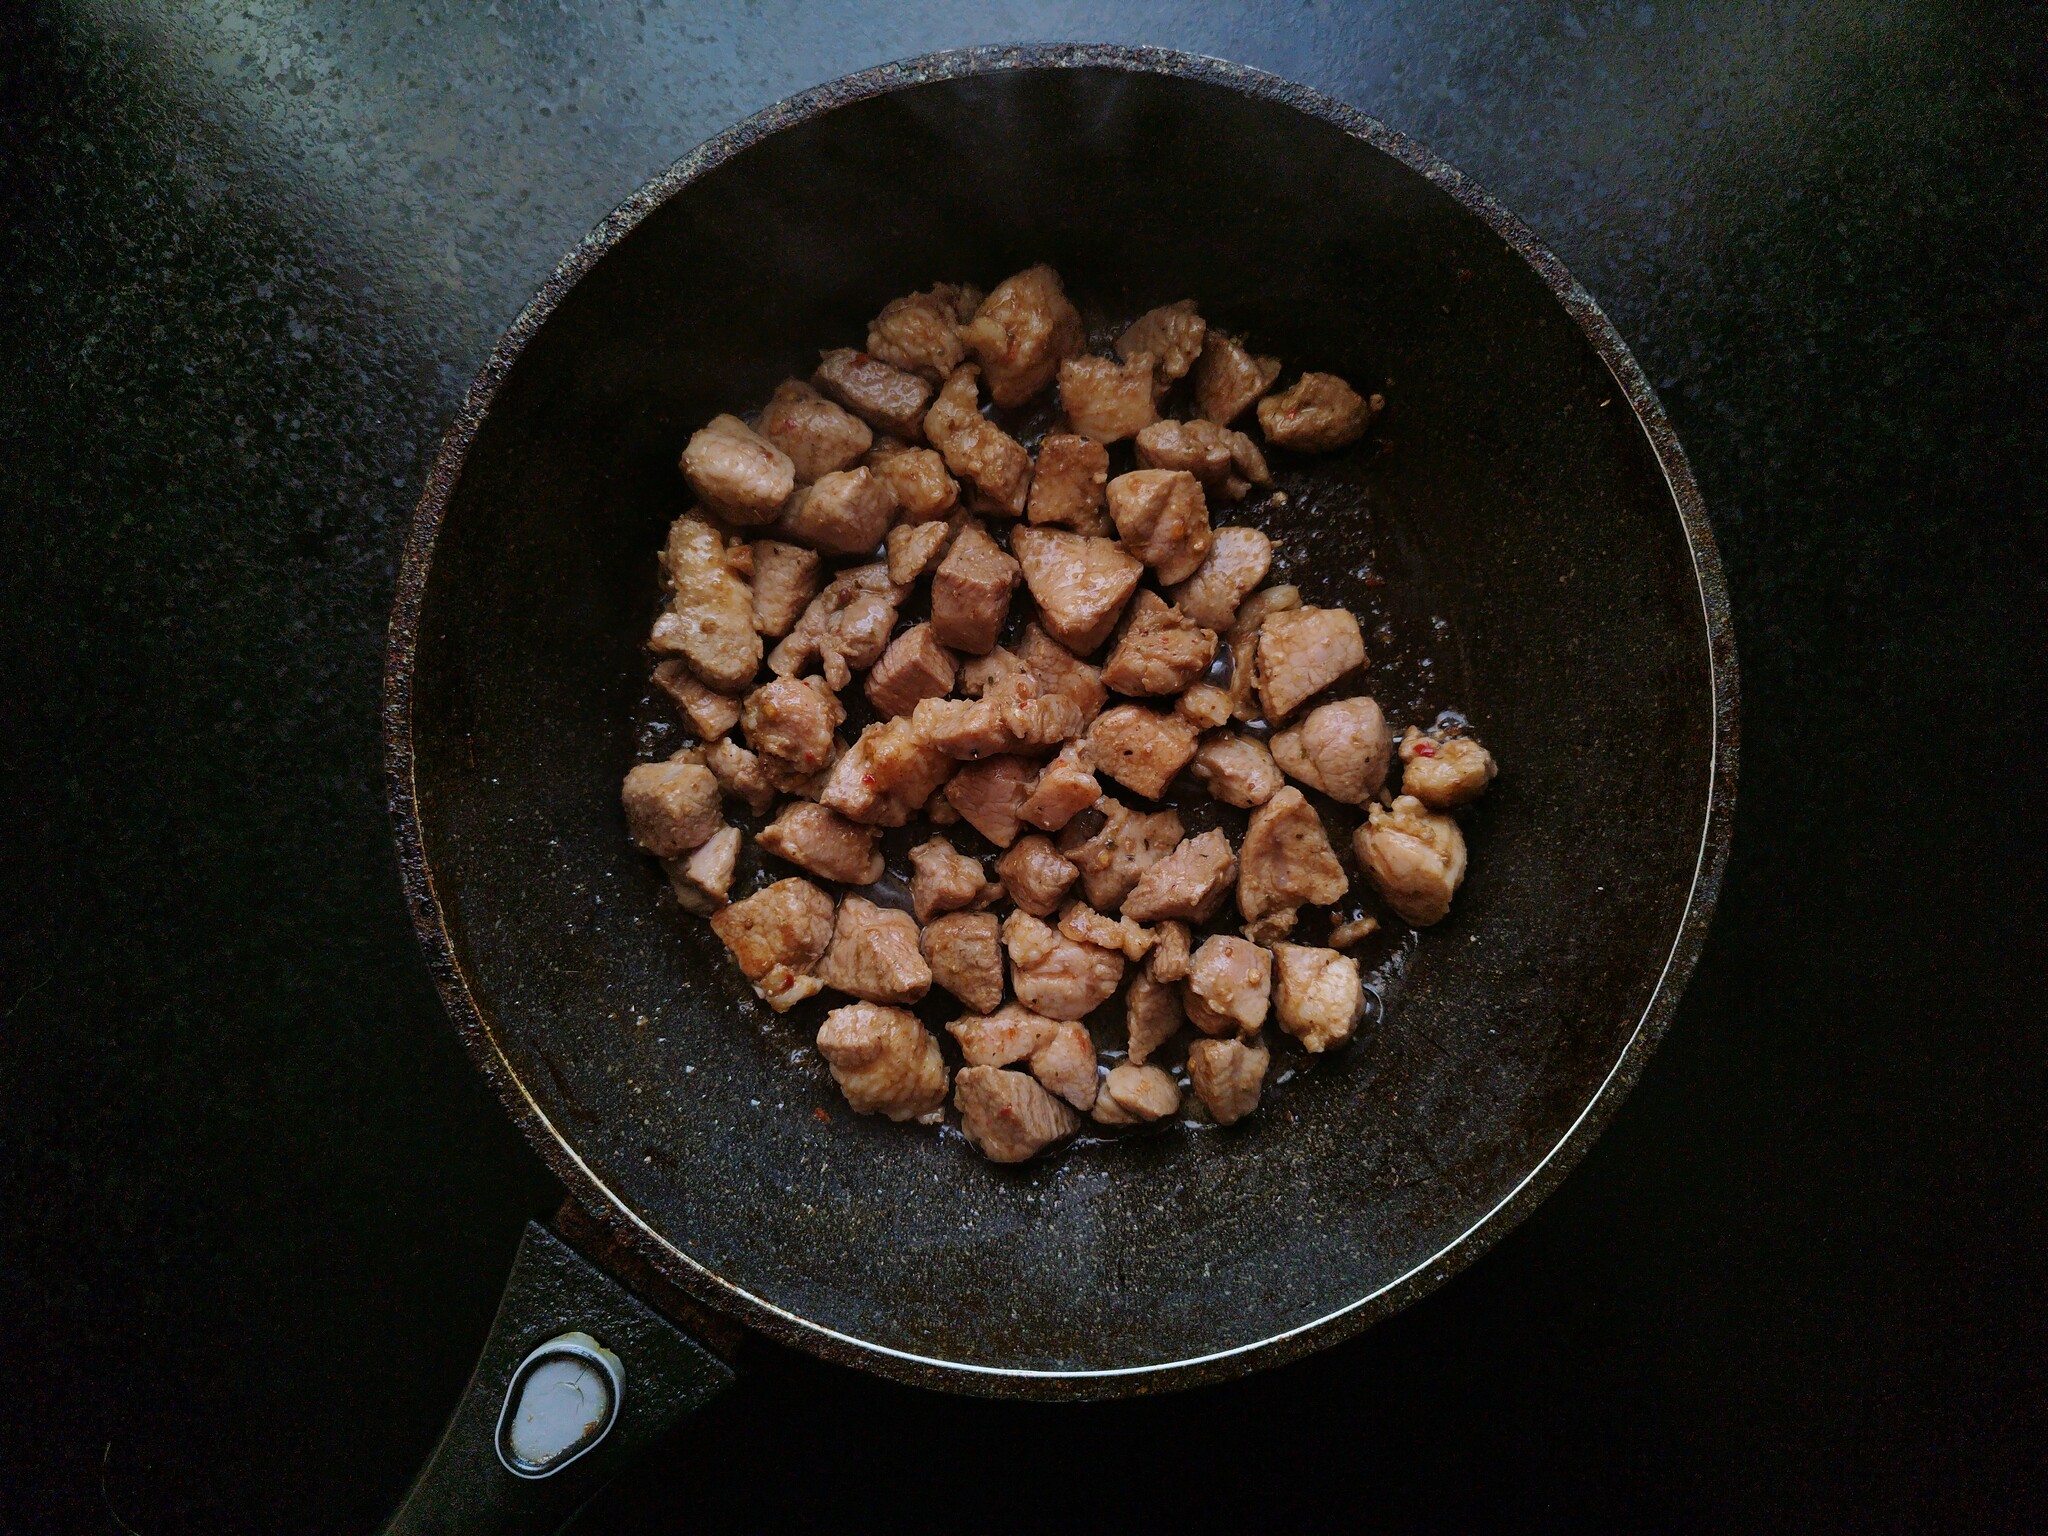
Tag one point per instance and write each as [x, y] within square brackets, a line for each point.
[1523, 524]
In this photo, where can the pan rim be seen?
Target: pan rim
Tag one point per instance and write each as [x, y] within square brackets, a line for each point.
[555, 1148]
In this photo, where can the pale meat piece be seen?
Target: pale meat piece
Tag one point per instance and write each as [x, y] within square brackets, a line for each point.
[778, 935]
[789, 723]
[976, 449]
[1243, 647]
[1229, 986]
[942, 879]
[1036, 874]
[990, 795]
[786, 578]
[1107, 402]
[1055, 975]
[1286, 861]
[920, 333]
[917, 478]
[824, 843]
[1442, 770]
[1065, 788]
[738, 473]
[671, 807]
[817, 435]
[1152, 1015]
[1163, 520]
[1302, 652]
[1346, 934]
[1237, 562]
[971, 592]
[880, 394]
[1002, 1037]
[1080, 583]
[710, 617]
[1227, 462]
[1172, 948]
[846, 512]
[939, 811]
[875, 955]
[1022, 332]
[710, 713]
[1317, 995]
[1082, 922]
[1228, 379]
[1238, 770]
[1414, 857]
[1172, 334]
[1068, 485]
[740, 774]
[805, 786]
[1142, 749]
[887, 775]
[1189, 883]
[1007, 1116]
[845, 629]
[914, 667]
[1065, 1065]
[1226, 1076]
[1317, 413]
[1113, 845]
[702, 879]
[1136, 1095]
[1012, 715]
[1059, 671]
[1160, 651]
[980, 673]
[1342, 749]
[1204, 706]
[885, 1062]
[965, 952]
[915, 549]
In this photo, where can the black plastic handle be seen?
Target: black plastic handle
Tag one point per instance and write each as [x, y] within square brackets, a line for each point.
[465, 1489]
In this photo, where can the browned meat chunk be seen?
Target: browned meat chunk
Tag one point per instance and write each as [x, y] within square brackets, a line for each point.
[1107, 402]
[845, 513]
[1204, 706]
[921, 332]
[980, 673]
[824, 843]
[845, 629]
[1341, 749]
[1317, 995]
[1286, 861]
[976, 449]
[1237, 562]
[671, 807]
[917, 478]
[1080, 583]
[1059, 671]
[1172, 334]
[1113, 852]
[790, 722]
[1067, 487]
[817, 435]
[1053, 974]
[1081, 922]
[1007, 1116]
[1228, 378]
[1229, 983]
[1244, 645]
[1226, 1075]
[914, 667]
[1415, 858]
[740, 774]
[1152, 1015]
[739, 474]
[786, 578]
[778, 936]
[1141, 748]
[1010, 716]
[710, 617]
[971, 592]
[702, 879]
[875, 955]
[1302, 652]
[1238, 770]
[1442, 770]
[944, 880]
[887, 776]
[710, 713]
[1189, 883]
[964, 950]
[1002, 1037]
[883, 396]
[885, 1062]
[1227, 462]
[1066, 788]
[990, 794]
[1023, 331]
[1036, 875]
[1318, 413]
[1346, 934]
[1065, 1064]
[1132, 1095]
[1172, 948]
[1162, 519]
[915, 549]
[1160, 651]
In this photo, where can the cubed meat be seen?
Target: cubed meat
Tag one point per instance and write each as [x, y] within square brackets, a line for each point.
[1229, 986]
[1228, 379]
[1161, 650]
[1055, 975]
[786, 578]
[1189, 883]
[965, 952]
[875, 955]
[990, 794]
[709, 622]
[702, 878]
[943, 879]
[790, 722]
[740, 774]
[885, 1062]
[1010, 716]
[887, 776]
[1059, 671]
[738, 473]
[1317, 995]
[1163, 520]
[671, 807]
[846, 627]
[1226, 1076]
[1172, 948]
[914, 667]
[915, 549]
[1082, 922]
[1227, 462]
[1152, 1014]
[976, 449]
[778, 935]
[1065, 788]
[824, 843]
[1142, 749]
[1113, 845]
[920, 333]
[817, 435]
[1068, 485]
[1080, 583]
[917, 478]
[1243, 647]
[1442, 770]
[1352, 931]
[1135, 1095]
[1415, 858]
[1023, 331]
[1204, 706]
[1237, 562]
[1302, 652]
[1002, 1037]
[1317, 413]
[1036, 874]
[1238, 770]
[1342, 749]
[971, 592]
[710, 713]
[885, 397]
[1172, 334]
[979, 673]
[1286, 861]
[1007, 1116]
[1105, 401]
[1065, 1064]
[844, 513]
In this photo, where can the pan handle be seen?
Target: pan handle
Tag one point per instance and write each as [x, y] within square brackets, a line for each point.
[578, 1376]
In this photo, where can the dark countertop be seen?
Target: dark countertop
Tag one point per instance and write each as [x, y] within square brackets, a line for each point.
[259, 1203]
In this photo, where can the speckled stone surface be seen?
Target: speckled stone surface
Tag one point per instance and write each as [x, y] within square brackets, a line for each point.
[260, 1203]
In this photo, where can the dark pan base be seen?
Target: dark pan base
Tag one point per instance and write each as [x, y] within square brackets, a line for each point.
[1529, 498]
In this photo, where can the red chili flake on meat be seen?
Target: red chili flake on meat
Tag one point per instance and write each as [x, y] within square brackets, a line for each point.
[1425, 749]
[867, 781]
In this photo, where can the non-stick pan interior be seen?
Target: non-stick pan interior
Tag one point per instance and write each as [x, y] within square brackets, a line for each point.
[1511, 502]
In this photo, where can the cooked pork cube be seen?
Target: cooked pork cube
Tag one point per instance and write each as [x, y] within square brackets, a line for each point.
[920, 333]
[884, 1061]
[1141, 748]
[976, 449]
[1189, 883]
[1342, 749]
[1286, 861]
[874, 954]
[1414, 857]
[1228, 986]
[1059, 671]
[1318, 413]
[1065, 1064]
[1350, 932]
[1227, 462]
[887, 776]
[1007, 1116]
[702, 879]
[710, 616]
[1204, 706]
[1317, 995]
[1172, 947]
[1107, 402]
[1228, 379]
[786, 578]
[945, 880]
[818, 436]
[914, 667]
[1003, 1036]
[824, 843]
[1172, 334]
[1135, 1095]
[778, 935]
[1080, 583]
[845, 628]
[915, 549]
[1243, 646]
[980, 673]
[990, 794]
[971, 592]
[1226, 1075]
[671, 807]
[1036, 874]
[1160, 651]
[738, 473]
[1023, 331]
[1162, 519]
[1065, 788]
[1055, 975]
[1082, 922]
[1115, 850]
[845, 513]
[917, 478]
[740, 774]
[1152, 1014]
[1302, 652]
[710, 713]
[965, 952]
[1442, 770]
[1237, 562]
[885, 397]
[1238, 770]
[1067, 486]
[790, 722]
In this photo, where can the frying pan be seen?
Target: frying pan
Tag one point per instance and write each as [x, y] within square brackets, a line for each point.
[1525, 539]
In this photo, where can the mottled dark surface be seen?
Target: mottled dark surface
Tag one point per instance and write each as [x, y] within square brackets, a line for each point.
[261, 1205]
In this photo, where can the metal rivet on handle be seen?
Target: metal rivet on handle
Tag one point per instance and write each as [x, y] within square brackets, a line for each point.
[563, 1400]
